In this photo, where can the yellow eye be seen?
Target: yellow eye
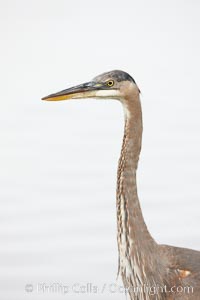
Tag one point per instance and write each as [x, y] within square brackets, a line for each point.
[110, 83]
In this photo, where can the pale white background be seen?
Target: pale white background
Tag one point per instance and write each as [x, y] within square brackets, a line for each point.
[58, 161]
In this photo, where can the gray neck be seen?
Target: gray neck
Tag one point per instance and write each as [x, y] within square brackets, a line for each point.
[137, 249]
[126, 183]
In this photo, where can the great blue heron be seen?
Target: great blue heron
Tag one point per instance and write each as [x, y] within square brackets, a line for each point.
[148, 270]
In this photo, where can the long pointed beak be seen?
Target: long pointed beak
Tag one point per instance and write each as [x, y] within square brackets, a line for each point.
[86, 90]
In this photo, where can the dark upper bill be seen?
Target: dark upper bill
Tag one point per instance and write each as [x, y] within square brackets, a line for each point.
[85, 90]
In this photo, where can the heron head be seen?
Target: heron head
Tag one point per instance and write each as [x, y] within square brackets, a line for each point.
[111, 85]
